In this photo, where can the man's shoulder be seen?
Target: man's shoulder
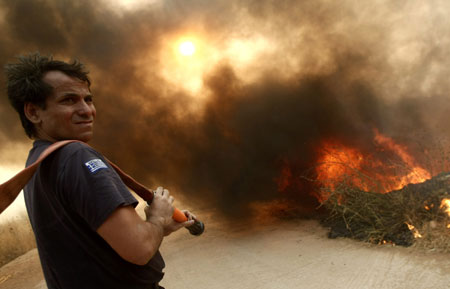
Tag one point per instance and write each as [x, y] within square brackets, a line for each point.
[71, 146]
[80, 158]
[72, 151]
[79, 151]
[77, 146]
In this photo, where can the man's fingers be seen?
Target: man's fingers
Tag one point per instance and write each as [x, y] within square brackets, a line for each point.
[159, 190]
[188, 223]
[189, 215]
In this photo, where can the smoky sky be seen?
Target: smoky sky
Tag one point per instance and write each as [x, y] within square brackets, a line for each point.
[335, 70]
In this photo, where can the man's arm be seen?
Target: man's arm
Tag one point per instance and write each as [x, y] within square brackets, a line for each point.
[136, 240]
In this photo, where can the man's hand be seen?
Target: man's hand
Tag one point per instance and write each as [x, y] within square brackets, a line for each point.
[161, 210]
[137, 241]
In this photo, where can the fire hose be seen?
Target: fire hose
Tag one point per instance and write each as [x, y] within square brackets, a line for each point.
[11, 188]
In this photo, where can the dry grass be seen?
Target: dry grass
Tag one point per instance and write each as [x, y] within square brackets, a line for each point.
[380, 218]
[16, 238]
[435, 237]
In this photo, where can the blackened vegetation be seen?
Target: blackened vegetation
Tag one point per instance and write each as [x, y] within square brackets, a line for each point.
[380, 218]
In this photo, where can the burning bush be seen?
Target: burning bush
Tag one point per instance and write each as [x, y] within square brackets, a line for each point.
[416, 214]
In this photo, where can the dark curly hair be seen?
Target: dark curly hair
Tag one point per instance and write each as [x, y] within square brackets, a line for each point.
[24, 82]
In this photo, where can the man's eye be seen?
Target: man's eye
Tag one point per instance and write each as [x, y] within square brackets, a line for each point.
[88, 99]
[68, 100]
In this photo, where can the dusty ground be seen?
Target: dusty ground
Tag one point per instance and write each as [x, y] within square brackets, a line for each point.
[291, 254]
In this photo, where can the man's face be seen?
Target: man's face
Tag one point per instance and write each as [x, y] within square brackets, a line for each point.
[69, 111]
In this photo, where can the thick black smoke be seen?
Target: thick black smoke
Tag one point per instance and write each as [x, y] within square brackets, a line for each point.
[334, 71]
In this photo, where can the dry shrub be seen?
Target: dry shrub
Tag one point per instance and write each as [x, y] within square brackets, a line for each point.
[435, 237]
[16, 238]
[380, 218]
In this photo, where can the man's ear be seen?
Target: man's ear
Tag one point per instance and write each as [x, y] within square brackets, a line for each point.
[31, 111]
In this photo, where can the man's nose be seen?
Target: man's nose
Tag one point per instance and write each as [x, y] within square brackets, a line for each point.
[84, 108]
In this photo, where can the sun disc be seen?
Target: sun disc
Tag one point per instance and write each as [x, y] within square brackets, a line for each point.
[187, 48]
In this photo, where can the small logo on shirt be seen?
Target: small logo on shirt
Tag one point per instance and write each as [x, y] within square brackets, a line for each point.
[95, 165]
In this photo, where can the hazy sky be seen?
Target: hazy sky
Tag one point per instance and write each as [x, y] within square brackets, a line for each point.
[269, 81]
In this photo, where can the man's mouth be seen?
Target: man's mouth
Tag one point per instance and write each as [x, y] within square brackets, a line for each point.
[85, 122]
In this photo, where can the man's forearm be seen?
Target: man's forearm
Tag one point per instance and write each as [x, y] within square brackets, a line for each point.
[134, 239]
[151, 233]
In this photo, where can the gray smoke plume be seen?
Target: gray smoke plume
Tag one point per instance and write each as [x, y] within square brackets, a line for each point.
[326, 69]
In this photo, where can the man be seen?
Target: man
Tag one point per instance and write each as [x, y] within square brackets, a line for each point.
[87, 231]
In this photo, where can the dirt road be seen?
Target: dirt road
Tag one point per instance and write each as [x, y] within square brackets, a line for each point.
[291, 254]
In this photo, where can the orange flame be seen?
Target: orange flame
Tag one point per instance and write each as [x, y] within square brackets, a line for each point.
[339, 163]
[445, 204]
[417, 173]
[415, 232]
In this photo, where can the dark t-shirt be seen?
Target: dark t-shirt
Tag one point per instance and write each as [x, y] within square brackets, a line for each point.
[72, 193]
